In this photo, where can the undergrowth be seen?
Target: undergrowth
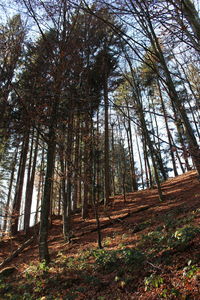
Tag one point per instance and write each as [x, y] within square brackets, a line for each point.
[129, 267]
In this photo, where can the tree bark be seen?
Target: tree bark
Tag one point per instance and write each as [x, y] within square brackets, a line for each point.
[46, 200]
[30, 186]
[168, 132]
[20, 181]
[106, 142]
[5, 224]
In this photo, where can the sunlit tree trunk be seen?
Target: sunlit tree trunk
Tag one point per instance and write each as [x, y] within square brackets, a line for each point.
[76, 164]
[20, 181]
[106, 142]
[130, 139]
[40, 185]
[140, 159]
[193, 145]
[46, 199]
[30, 186]
[11, 181]
[168, 132]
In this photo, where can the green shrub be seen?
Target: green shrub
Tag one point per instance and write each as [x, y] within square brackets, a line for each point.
[132, 257]
[77, 263]
[37, 270]
[111, 260]
[154, 240]
[171, 294]
[171, 221]
[183, 236]
[190, 270]
[107, 260]
[153, 281]
[107, 242]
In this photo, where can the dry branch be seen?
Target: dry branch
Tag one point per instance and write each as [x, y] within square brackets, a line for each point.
[17, 252]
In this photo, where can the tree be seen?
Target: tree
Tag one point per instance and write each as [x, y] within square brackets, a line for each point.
[145, 22]
[12, 35]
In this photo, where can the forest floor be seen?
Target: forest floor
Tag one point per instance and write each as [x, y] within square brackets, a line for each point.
[151, 250]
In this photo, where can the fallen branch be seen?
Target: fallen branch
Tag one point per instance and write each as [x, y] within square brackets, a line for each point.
[154, 266]
[18, 251]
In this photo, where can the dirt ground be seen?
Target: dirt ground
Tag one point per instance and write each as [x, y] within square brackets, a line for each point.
[181, 194]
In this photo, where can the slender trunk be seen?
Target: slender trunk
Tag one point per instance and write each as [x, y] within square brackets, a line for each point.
[60, 200]
[143, 125]
[140, 159]
[28, 177]
[148, 169]
[135, 185]
[158, 147]
[113, 159]
[180, 131]
[106, 142]
[168, 132]
[67, 206]
[20, 181]
[76, 164]
[46, 200]
[29, 194]
[85, 199]
[193, 145]
[178, 157]
[95, 203]
[40, 186]
[187, 97]
[5, 224]
[150, 146]
[81, 167]
[98, 167]
[152, 153]
[64, 198]
[192, 16]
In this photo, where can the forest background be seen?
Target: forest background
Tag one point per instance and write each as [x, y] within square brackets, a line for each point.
[96, 99]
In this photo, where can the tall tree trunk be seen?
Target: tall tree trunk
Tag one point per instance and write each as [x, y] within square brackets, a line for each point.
[193, 145]
[168, 132]
[149, 180]
[106, 142]
[158, 147]
[98, 167]
[86, 167]
[67, 196]
[146, 24]
[64, 198]
[40, 185]
[95, 202]
[192, 17]
[30, 186]
[46, 200]
[181, 133]
[76, 164]
[151, 149]
[135, 185]
[140, 159]
[5, 224]
[20, 181]
[143, 126]
[113, 159]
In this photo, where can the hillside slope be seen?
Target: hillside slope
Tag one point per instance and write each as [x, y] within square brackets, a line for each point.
[151, 251]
